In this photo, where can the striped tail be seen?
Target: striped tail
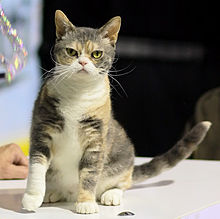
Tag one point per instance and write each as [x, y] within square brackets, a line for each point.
[171, 158]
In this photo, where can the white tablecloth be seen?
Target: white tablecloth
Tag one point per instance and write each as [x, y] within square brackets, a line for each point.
[190, 186]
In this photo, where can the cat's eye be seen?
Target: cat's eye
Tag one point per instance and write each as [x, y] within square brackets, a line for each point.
[71, 52]
[97, 54]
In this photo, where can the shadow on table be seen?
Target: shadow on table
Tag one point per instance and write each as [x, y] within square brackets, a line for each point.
[63, 205]
[10, 199]
[149, 185]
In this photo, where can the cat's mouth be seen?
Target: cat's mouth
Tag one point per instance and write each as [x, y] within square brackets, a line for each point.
[83, 71]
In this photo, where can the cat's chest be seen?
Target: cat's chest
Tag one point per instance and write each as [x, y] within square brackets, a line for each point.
[67, 153]
[73, 107]
[66, 144]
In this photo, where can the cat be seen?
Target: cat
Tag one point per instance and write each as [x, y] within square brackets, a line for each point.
[79, 153]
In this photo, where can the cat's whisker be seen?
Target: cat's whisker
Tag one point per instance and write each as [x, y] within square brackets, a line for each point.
[115, 59]
[111, 85]
[55, 70]
[65, 71]
[61, 76]
[126, 73]
[102, 71]
[67, 76]
[45, 70]
[46, 73]
[119, 84]
[51, 56]
[119, 70]
[71, 74]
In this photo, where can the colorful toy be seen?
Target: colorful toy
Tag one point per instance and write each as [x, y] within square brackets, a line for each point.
[18, 59]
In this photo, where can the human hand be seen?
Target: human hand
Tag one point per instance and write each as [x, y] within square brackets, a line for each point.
[13, 163]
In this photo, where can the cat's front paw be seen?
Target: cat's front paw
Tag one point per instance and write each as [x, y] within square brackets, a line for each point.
[51, 197]
[31, 202]
[90, 207]
[112, 197]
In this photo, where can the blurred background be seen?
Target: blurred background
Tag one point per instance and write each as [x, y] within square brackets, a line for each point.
[167, 55]
[17, 98]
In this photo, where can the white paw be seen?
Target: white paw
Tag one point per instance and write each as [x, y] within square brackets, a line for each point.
[112, 197]
[51, 197]
[86, 207]
[31, 202]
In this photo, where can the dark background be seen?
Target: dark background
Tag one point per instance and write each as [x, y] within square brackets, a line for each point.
[162, 91]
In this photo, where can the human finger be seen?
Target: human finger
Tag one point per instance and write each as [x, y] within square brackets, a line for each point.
[18, 156]
[17, 172]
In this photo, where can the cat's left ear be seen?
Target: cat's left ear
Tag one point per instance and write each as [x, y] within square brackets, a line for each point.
[63, 25]
[110, 29]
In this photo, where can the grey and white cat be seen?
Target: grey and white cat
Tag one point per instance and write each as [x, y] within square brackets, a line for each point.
[79, 152]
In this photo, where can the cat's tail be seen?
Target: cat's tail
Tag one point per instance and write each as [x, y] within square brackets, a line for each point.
[178, 152]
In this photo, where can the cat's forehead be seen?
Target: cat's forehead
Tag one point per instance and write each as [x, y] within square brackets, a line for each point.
[87, 46]
[84, 34]
[85, 38]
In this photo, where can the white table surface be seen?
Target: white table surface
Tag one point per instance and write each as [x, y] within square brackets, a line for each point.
[190, 186]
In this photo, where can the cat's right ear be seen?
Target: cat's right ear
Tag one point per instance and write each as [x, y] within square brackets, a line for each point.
[110, 29]
[63, 25]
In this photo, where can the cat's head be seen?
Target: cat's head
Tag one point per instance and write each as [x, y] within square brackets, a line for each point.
[83, 51]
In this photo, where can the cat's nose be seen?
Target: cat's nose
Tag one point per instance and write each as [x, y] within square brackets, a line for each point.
[83, 63]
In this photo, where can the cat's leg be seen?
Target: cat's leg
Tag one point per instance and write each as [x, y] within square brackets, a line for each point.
[119, 183]
[90, 169]
[40, 156]
[35, 190]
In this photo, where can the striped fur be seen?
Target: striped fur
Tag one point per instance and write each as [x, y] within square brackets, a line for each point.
[79, 152]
